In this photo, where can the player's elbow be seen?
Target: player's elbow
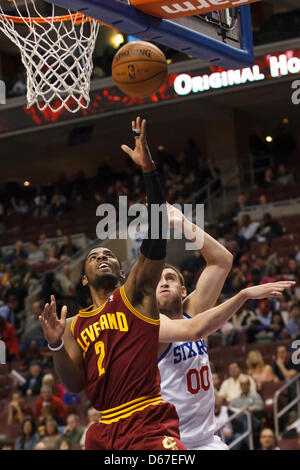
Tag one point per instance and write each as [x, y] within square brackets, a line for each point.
[226, 261]
[195, 334]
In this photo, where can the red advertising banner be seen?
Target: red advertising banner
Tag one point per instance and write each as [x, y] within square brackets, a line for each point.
[171, 9]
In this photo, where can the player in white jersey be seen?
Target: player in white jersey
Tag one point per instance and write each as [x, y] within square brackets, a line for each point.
[186, 379]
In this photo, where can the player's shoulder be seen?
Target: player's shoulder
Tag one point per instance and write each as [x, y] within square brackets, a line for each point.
[70, 324]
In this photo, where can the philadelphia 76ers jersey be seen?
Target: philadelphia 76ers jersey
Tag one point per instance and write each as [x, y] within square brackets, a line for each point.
[186, 381]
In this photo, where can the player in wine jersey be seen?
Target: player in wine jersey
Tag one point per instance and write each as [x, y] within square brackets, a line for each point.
[110, 349]
[186, 379]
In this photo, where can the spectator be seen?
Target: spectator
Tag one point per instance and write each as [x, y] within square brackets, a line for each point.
[51, 286]
[17, 409]
[65, 444]
[19, 88]
[33, 355]
[40, 446]
[241, 275]
[294, 321]
[47, 413]
[269, 179]
[244, 317]
[33, 383]
[293, 267]
[263, 200]
[23, 207]
[9, 336]
[225, 432]
[9, 312]
[17, 252]
[93, 417]
[67, 284]
[51, 435]
[18, 290]
[284, 369]
[73, 431]
[231, 387]
[217, 383]
[32, 326]
[251, 400]
[283, 177]
[240, 204]
[36, 255]
[58, 389]
[269, 228]
[47, 398]
[192, 263]
[28, 437]
[57, 206]
[67, 249]
[42, 209]
[7, 445]
[258, 370]
[264, 313]
[247, 228]
[267, 440]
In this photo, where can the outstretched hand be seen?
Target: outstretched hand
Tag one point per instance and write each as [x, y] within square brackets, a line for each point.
[271, 289]
[140, 154]
[53, 327]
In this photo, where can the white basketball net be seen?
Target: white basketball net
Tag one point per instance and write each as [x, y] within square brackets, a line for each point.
[57, 56]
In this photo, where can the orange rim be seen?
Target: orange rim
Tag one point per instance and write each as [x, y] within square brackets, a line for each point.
[78, 17]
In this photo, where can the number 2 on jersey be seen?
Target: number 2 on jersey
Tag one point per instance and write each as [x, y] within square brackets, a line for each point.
[99, 349]
[197, 380]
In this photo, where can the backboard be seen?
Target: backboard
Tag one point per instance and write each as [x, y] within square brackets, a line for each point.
[223, 37]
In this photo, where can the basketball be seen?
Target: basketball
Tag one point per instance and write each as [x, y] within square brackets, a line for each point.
[139, 69]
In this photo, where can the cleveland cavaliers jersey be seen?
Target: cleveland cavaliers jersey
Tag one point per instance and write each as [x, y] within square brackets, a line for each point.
[186, 381]
[119, 348]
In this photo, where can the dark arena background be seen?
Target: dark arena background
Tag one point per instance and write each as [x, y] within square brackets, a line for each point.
[226, 139]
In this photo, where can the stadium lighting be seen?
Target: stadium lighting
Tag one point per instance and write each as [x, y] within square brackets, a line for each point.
[116, 40]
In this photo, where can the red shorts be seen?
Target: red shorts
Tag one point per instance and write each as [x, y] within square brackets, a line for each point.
[154, 428]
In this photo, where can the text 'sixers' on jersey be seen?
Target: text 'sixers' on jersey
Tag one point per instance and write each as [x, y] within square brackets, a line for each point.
[186, 381]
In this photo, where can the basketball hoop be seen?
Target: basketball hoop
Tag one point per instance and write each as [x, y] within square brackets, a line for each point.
[57, 54]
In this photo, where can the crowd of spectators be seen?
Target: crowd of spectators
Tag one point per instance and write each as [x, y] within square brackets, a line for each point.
[48, 421]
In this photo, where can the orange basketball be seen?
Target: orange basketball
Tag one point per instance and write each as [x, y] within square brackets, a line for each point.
[139, 69]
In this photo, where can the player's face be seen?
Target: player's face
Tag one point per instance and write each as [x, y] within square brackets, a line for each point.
[101, 265]
[169, 288]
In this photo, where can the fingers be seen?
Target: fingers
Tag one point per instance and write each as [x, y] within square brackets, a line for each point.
[143, 128]
[52, 304]
[64, 312]
[46, 312]
[127, 150]
[139, 124]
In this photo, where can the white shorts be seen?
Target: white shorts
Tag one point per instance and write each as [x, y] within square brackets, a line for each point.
[215, 443]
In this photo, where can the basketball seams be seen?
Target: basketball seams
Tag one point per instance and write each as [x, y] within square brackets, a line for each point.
[139, 61]
[141, 81]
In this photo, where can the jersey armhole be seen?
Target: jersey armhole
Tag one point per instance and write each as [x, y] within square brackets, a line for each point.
[72, 326]
[138, 314]
[165, 353]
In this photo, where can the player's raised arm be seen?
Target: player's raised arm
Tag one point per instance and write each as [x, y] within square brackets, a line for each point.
[144, 276]
[218, 264]
[66, 353]
[205, 324]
